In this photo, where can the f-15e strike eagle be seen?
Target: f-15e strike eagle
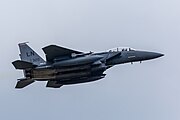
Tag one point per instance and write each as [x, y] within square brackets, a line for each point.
[64, 66]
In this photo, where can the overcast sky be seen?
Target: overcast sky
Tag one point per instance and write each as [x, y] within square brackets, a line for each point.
[147, 91]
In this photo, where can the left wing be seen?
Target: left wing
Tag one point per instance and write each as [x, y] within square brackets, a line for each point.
[54, 51]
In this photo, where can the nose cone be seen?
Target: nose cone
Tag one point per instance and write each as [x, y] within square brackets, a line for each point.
[150, 55]
[157, 55]
[153, 55]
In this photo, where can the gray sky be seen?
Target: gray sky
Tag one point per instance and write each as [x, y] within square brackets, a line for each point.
[148, 91]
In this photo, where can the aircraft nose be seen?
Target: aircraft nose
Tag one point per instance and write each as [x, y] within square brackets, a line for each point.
[151, 55]
[157, 55]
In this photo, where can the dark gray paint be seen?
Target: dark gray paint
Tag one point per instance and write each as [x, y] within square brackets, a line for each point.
[65, 66]
[127, 93]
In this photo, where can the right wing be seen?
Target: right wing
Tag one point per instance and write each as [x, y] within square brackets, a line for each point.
[54, 51]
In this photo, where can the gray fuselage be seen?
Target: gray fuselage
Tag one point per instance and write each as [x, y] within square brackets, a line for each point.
[86, 68]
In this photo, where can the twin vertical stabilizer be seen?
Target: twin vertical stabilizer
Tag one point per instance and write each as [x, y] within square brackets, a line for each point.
[29, 55]
[29, 60]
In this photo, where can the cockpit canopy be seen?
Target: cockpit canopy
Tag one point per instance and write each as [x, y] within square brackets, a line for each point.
[121, 49]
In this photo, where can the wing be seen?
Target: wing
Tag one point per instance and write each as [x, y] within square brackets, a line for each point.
[54, 51]
[53, 84]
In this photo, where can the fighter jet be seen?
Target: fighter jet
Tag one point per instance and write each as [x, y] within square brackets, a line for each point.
[65, 66]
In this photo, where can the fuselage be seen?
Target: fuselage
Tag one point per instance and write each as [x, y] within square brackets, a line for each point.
[87, 67]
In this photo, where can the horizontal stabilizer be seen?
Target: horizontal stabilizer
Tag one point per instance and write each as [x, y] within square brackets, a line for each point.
[23, 83]
[54, 51]
[53, 84]
[23, 64]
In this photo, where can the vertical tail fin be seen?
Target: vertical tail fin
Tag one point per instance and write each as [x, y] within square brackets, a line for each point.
[29, 55]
